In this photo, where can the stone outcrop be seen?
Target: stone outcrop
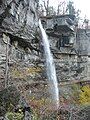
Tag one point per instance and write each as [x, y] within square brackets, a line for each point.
[19, 17]
[83, 36]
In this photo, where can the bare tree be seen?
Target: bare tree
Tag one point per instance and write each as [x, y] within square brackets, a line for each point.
[6, 40]
[62, 4]
[46, 6]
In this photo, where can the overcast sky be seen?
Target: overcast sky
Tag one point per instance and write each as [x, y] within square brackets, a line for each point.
[83, 5]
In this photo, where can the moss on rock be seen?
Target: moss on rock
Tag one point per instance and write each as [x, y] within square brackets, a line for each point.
[9, 98]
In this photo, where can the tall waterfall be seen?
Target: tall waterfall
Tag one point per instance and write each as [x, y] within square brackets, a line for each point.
[51, 72]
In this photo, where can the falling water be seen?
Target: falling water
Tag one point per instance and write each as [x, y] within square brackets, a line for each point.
[51, 72]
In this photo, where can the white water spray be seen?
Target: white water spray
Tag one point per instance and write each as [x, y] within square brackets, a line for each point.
[51, 72]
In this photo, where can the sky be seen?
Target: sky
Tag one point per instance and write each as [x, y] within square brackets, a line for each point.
[83, 5]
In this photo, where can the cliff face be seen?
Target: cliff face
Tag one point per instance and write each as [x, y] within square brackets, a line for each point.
[20, 64]
[18, 32]
[83, 42]
[19, 17]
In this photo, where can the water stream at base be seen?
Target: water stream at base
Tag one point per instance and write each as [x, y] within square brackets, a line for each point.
[50, 67]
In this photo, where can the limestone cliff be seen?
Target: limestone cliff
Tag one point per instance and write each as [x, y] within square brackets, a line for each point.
[19, 17]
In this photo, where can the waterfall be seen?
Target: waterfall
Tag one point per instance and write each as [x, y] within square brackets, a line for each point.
[50, 67]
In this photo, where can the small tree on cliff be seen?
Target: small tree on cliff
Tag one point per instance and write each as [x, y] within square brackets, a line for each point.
[72, 11]
[70, 8]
